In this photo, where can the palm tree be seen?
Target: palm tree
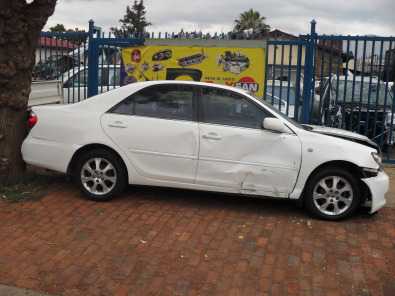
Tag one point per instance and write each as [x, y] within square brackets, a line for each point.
[251, 21]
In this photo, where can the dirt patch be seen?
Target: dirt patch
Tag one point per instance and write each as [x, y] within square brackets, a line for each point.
[32, 186]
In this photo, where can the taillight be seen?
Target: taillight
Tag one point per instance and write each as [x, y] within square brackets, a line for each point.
[32, 120]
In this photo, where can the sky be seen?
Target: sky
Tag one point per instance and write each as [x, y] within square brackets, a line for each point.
[354, 17]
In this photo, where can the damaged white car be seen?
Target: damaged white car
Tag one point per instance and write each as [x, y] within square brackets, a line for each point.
[206, 137]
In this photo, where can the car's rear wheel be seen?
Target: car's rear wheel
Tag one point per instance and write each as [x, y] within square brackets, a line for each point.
[332, 194]
[100, 174]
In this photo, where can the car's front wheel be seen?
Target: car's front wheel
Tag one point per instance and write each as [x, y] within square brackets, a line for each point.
[332, 194]
[100, 174]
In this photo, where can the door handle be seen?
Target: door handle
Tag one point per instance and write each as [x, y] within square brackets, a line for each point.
[212, 136]
[117, 124]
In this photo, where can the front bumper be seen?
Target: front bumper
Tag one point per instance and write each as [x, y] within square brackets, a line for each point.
[378, 187]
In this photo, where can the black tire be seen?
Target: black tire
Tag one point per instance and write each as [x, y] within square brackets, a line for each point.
[118, 170]
[326, 174]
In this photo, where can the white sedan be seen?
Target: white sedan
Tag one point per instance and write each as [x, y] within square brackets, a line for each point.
[206, 137]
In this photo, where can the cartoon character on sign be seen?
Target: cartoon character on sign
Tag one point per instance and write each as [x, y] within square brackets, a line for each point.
[136, 56]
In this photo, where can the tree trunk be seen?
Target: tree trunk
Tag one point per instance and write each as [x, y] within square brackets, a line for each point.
[11, 163]
[20, 27]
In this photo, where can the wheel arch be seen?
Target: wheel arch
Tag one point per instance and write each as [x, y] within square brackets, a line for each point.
[90, 147]
[349, 166]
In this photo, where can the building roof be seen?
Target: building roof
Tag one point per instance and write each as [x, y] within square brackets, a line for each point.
[56, 43]
[331, 47]
[278, 34]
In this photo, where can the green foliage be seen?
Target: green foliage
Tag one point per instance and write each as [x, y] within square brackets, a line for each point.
[59, 28]
[251, 22]
[134, 22]
[31, 186]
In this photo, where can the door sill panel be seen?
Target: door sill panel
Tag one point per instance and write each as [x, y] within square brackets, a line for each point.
[144, 181]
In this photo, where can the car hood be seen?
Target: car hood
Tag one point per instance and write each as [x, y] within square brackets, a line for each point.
[343, 134]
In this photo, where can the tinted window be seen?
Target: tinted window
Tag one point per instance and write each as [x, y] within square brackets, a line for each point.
[161, 101]
[228, 108]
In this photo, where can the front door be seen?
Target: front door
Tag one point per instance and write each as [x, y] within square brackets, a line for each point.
[157, 129]
[236, 153]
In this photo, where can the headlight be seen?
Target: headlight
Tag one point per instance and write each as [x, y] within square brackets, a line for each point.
[377, 159]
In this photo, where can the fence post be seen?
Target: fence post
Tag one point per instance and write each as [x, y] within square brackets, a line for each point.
[297, 113]
[93, 65]
[309, 73]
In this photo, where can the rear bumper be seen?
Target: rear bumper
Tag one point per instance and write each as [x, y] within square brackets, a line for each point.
[378, 187]
[47, 154]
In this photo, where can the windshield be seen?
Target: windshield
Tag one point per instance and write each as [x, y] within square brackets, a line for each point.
[363, 92]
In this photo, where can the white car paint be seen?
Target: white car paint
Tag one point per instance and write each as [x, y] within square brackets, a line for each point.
[194, 155]
[248, 161]
[164, 161]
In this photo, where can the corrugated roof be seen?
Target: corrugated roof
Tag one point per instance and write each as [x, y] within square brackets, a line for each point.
[56, 43]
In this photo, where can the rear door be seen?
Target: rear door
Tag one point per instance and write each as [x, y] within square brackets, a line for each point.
[236, 153]
[157, 129]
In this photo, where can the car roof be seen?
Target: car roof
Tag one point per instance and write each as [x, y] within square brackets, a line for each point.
[195, 83]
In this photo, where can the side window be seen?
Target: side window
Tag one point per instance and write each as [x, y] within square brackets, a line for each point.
[228, 108]
[124, 108]
[161, 101]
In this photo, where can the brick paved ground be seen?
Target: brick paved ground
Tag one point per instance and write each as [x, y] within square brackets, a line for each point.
[169, 242]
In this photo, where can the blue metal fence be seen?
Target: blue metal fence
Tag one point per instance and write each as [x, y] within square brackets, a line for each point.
[345, 82]
[98, 44]
[84, 63]
[333, 80]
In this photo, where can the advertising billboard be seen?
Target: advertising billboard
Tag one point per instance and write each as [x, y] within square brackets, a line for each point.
[239, 67]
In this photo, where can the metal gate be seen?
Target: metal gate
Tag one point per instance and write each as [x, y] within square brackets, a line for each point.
[344, 82]
[82, 64]
[284, 68]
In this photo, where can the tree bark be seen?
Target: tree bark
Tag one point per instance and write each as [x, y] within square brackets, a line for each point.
[20, 27]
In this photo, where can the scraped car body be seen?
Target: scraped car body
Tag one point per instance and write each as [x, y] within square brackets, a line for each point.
[190, 153]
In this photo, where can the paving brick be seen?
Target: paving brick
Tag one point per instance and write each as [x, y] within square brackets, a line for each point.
[174, 242]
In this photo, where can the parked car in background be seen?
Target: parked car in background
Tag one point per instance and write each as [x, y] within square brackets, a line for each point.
[53, 67]
[282, 97]
[208, 137]
[75, 82]
[356, 104]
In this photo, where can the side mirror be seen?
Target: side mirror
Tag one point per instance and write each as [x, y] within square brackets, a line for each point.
[275, 125]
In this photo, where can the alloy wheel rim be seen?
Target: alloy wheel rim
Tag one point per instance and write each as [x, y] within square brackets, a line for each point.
[98, 176]
[333, 195]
